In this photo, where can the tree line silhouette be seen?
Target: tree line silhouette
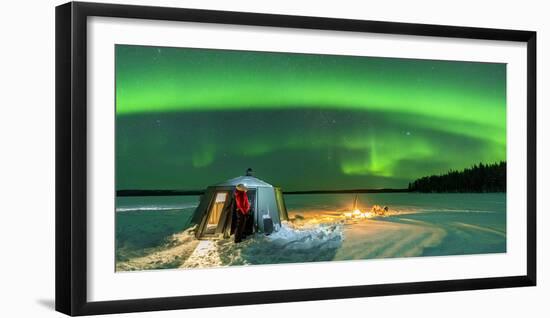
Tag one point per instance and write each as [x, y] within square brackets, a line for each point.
[478, 178]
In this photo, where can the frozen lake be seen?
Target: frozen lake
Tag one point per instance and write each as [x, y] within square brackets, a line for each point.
[155, 232]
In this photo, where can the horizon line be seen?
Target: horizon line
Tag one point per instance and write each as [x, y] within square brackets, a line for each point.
[173, 192]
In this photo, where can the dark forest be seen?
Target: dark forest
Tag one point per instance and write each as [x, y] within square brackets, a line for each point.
[478, 178]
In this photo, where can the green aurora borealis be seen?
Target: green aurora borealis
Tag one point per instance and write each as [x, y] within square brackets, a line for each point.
[189, 118]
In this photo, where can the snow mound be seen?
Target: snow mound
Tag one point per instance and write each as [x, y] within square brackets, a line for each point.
[291, 244]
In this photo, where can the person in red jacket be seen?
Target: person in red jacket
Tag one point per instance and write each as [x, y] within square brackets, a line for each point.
[242, 207]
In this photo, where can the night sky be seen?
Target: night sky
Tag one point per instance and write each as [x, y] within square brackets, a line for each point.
[189, 118]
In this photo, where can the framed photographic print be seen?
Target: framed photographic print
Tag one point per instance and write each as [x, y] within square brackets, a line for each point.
[208, 158]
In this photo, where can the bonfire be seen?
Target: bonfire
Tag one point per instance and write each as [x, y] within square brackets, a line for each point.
[356, 213]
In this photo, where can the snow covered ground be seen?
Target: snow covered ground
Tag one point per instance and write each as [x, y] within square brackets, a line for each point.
[417, 225]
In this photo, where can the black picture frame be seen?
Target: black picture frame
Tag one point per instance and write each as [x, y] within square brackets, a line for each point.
[71, 157]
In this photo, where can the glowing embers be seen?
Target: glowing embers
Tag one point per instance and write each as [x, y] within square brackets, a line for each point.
[357, 214]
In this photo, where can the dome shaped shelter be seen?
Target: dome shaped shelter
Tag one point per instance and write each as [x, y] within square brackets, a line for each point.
[214, 215]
